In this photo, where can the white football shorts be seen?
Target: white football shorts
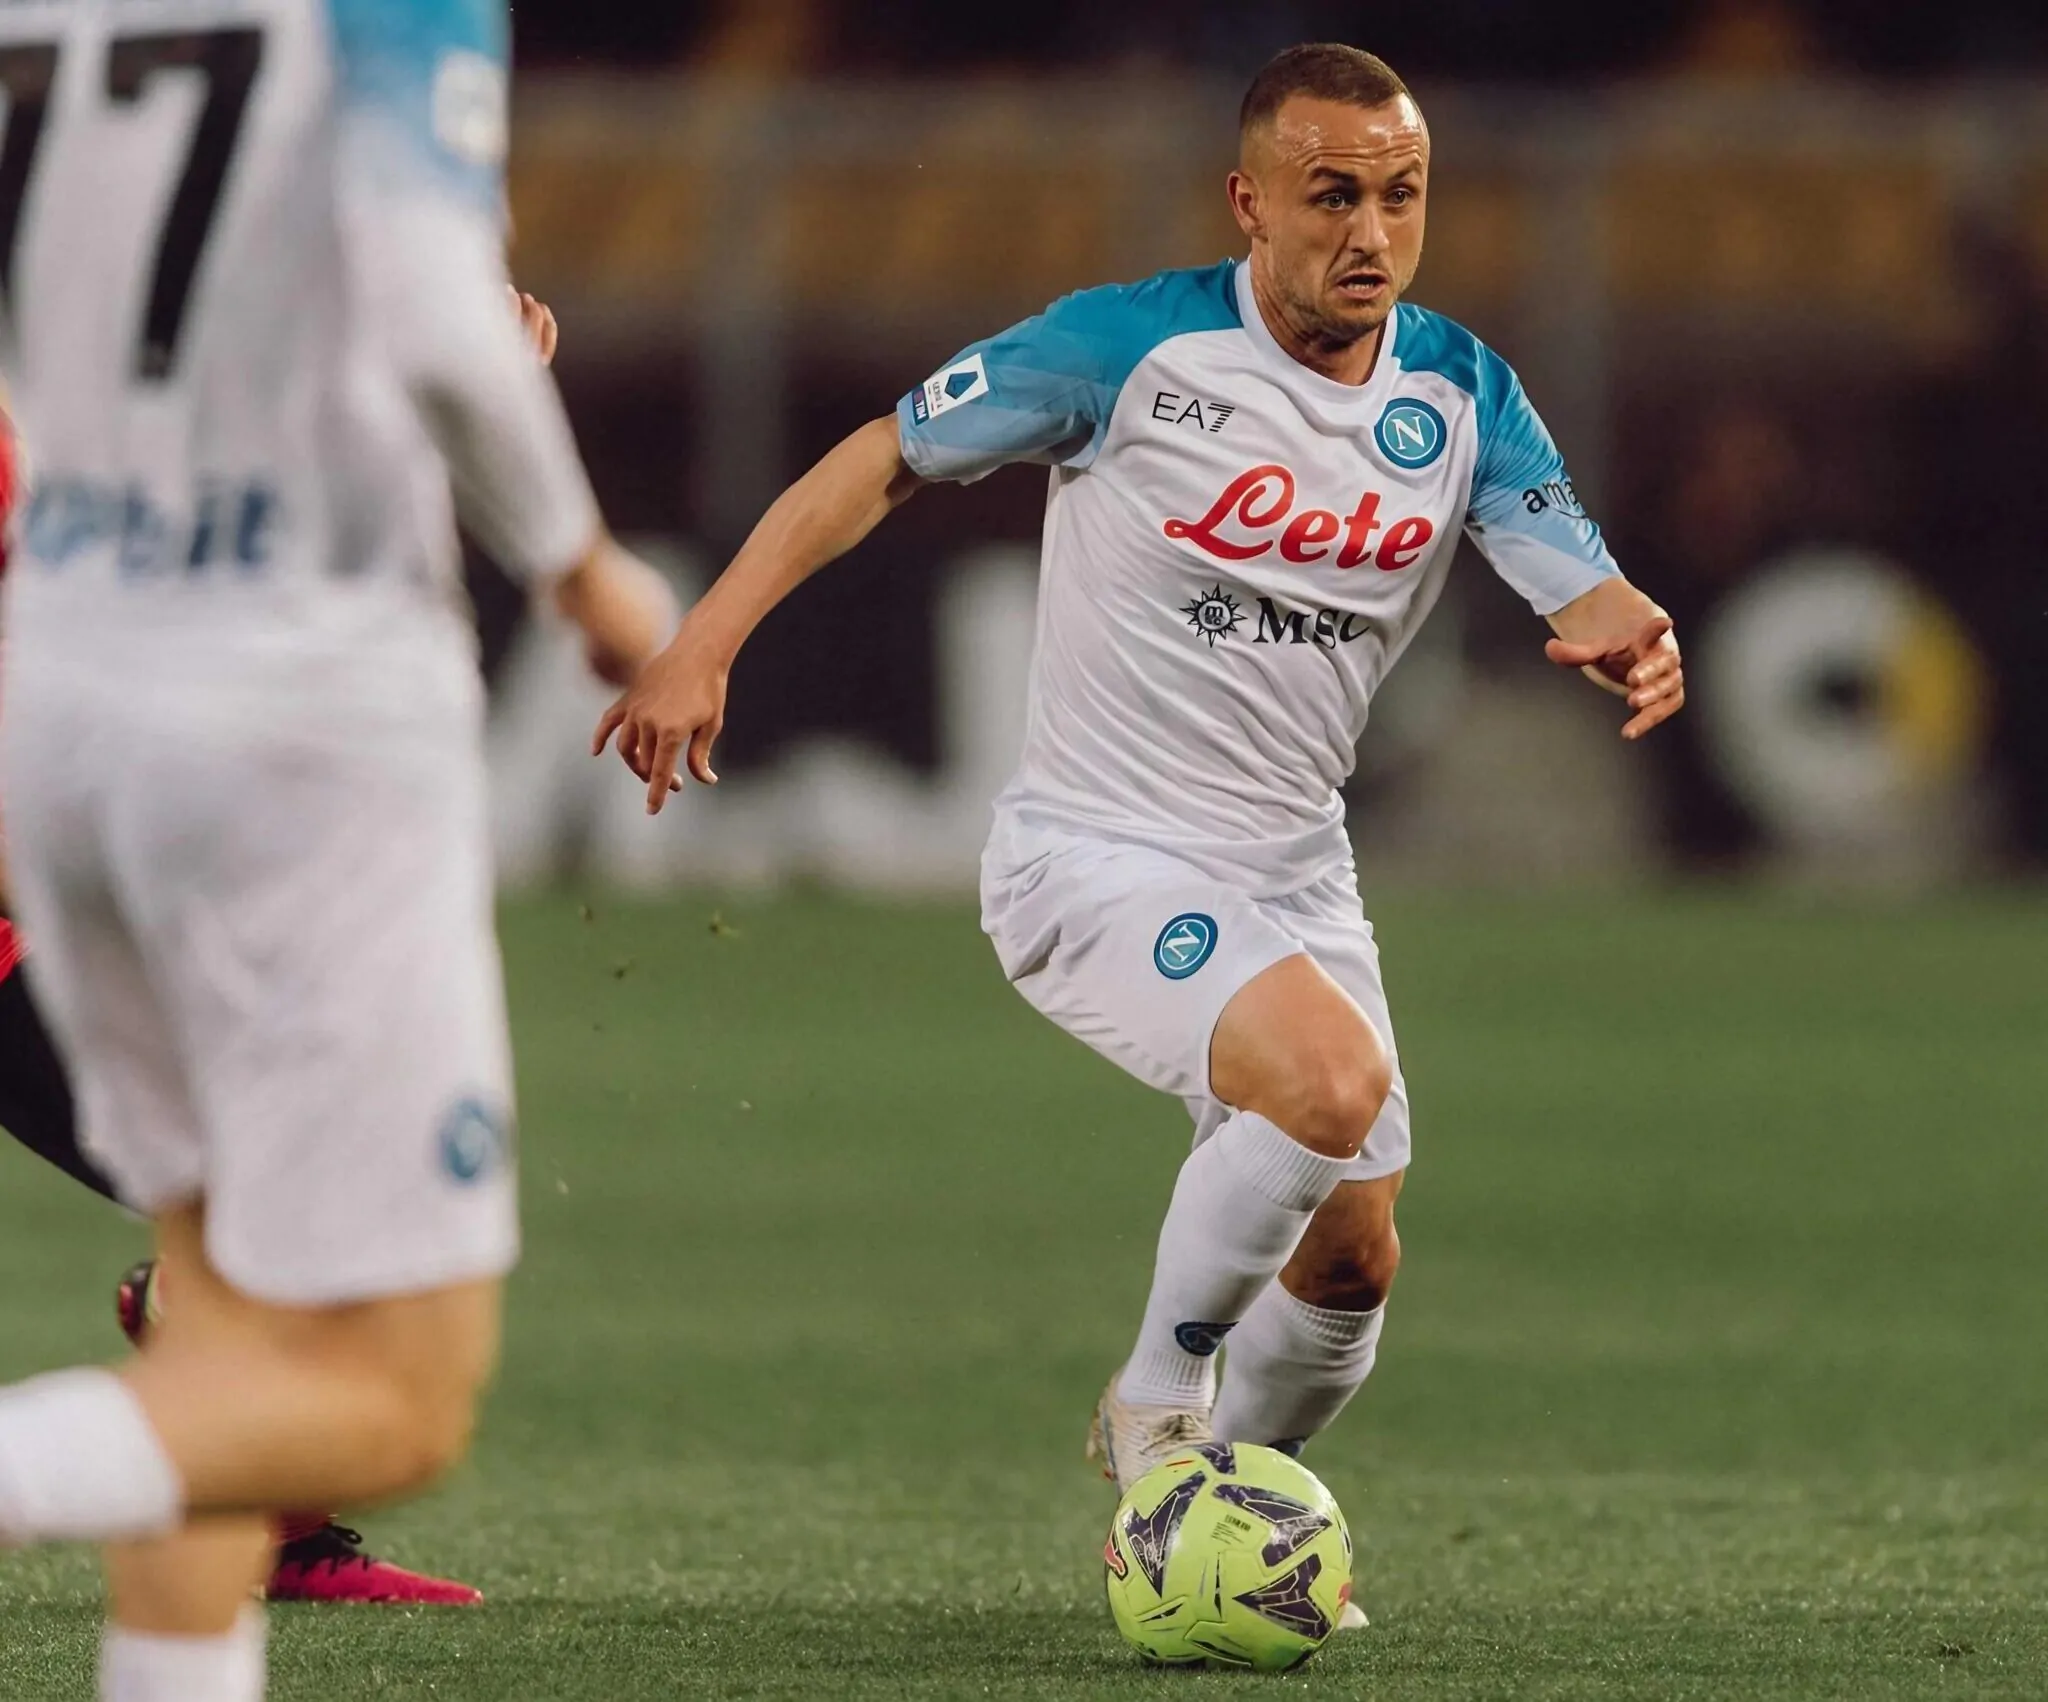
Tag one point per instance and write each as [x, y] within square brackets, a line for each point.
[265, 945]
[1137, 953]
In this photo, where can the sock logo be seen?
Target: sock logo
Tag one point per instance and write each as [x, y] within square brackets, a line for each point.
[1201, 1339]
[1184, 945]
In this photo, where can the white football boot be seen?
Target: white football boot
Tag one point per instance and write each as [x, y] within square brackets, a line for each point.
[1352, 1618]
[1127, 1440]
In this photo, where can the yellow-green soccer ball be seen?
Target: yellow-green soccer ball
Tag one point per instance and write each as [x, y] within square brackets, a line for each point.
[1228, 1554]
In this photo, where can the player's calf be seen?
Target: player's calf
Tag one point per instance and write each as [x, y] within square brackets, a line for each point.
[1348, 1258]
[1309, 1342]
[260, 1406]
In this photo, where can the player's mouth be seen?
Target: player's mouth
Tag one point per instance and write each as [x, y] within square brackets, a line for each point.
[1363, 286]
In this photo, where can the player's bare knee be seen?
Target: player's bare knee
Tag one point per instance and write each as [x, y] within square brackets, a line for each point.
[1339, 1101]
[421, 1433]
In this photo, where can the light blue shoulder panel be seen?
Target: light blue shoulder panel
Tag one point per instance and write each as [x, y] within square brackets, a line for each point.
[1522, 512]
[429, 79]
[1044, 390]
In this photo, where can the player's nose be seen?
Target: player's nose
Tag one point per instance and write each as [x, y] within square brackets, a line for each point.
[1368, 231]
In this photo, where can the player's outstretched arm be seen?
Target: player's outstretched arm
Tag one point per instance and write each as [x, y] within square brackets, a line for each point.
[1623, 643]
[675, 709]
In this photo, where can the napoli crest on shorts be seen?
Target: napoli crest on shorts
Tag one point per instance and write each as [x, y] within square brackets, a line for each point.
[1184, 945]
[474, 1141]
[1411, 433]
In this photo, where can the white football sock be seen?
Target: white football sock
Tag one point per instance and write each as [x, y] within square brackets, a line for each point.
[1291, 1367]
[79, 1462]
[1244, 1197]
[146, 1666]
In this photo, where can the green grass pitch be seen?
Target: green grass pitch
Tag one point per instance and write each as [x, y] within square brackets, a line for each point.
[1719, 1366]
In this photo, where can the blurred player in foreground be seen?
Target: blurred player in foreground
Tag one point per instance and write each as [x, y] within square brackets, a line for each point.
[1261, 470]
[257, 325]
[319, 1559]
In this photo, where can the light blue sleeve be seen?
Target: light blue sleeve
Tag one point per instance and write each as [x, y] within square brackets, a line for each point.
[423, 93]
[1045, 389]
[1524, 515]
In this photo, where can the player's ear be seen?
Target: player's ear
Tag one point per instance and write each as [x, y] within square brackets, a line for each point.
[1243, 190]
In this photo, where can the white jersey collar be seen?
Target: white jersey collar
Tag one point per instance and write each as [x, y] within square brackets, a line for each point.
[1306, 381]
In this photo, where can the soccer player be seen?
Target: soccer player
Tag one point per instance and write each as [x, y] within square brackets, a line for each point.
[1260, 470]
[254, 273]
[319, 1559]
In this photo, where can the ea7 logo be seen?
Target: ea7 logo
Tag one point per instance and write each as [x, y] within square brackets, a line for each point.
[1192, 410]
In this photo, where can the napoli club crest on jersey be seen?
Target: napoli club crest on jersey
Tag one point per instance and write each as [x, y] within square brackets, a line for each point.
[1411, 433]
[1184, 945]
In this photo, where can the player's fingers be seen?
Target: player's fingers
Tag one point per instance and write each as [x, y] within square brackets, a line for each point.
[1652, 634]
[550, 335]
[646, 747]
[629, 748]
[1656, 715]
[612, 720]
[700, 753]
[661, 771]
[1573, 655]
[1660, 662]
[1654, 691]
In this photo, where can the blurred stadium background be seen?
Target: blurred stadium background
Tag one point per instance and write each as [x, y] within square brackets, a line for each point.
[1716, 1367]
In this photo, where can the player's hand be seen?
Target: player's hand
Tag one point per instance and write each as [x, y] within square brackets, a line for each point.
[673, 711]
[624, 607]
[1645, 668]
[537, 320]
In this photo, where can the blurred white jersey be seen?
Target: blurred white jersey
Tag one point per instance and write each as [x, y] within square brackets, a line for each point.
[253, 260]
[252, 257]
[1236, 550]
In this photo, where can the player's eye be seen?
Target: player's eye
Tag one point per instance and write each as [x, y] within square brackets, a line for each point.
[1334, 199]
[1400, 197]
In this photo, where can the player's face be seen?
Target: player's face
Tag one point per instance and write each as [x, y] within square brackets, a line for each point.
[1333, 199]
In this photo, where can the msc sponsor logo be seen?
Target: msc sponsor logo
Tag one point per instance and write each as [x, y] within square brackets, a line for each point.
[1242, 524]
[1557, 494]
[1214, 614]
[1184, 945]
[1324, 628]
[1411, 434]
[1175, 409]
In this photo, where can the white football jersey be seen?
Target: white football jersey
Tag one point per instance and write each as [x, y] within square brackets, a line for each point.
[252, 260]
[1236, 550]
